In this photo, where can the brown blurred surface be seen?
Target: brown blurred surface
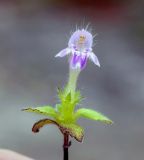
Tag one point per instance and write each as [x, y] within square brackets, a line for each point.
[10, 155]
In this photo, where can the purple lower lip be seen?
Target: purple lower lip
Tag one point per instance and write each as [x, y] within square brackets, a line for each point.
[82, 60]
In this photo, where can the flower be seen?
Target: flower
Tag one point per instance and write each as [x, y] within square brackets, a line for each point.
[64, 114]
[80, 49]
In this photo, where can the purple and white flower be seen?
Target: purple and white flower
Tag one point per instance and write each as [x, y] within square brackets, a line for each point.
[80, 49]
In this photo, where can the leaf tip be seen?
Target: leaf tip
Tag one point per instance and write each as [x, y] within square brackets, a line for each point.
[110, 122]
[26, 109]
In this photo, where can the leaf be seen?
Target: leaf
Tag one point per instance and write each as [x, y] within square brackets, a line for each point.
[58, 107]
[45, 110]
[73, 130]
[77, 97]
[67, 98]
[36, 127]
[60, 93]
[63, 96]
[91, 114]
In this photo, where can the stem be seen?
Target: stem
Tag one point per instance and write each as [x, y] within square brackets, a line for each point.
[66, 146]
[73, 76]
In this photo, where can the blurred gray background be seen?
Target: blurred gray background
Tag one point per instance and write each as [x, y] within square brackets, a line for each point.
[32, 32]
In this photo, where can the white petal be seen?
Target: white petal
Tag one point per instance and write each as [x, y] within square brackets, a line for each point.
[94, 58]
[63, 52]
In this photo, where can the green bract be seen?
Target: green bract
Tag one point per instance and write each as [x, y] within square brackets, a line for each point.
[64, 115]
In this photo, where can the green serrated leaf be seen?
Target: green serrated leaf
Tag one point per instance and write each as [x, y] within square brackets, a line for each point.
[68, 97]
[93, 115]
[63, 96]
[58, 107]
[45, 110]
[73, 130]
[60, 93]
[77, 97]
